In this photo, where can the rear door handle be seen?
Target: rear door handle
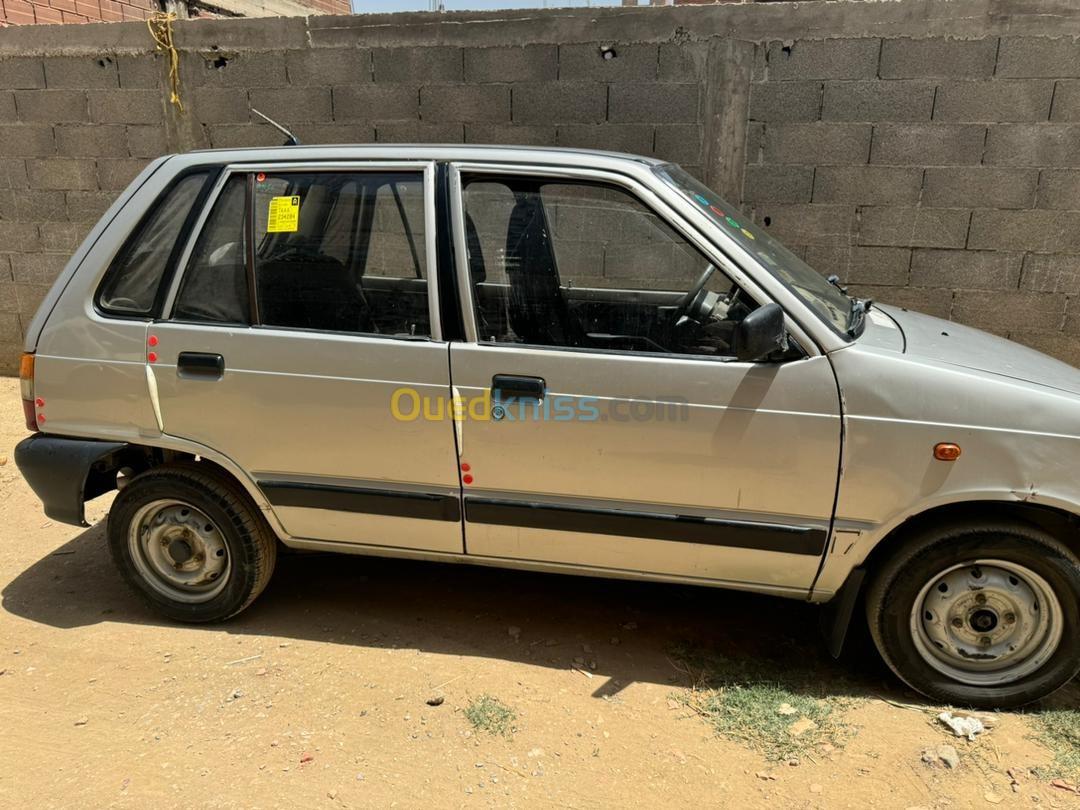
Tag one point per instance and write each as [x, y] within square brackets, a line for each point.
[200, 365]
[511, 386]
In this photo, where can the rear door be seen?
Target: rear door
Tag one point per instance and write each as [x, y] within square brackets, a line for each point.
[608, 425]
[307, 299]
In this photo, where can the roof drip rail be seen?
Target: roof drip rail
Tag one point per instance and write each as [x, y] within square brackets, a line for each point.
[291, 140]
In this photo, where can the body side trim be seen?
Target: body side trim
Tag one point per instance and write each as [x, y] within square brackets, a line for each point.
[389, 502]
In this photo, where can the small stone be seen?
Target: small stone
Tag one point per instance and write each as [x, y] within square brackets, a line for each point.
[794, 762]
[331, 794]
[993, 798]
[359, 777]
[260, 671]
[435, 700]
[765, 776]
[786, 709]
[948, 755]
[82, 721]
[306, 758]
[579, 661]
[536, 753]
[801, 726]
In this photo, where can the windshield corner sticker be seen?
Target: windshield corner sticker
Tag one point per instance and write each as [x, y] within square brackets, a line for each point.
[284, 215]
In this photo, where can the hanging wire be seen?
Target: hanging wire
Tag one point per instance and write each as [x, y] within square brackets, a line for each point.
[160, 25]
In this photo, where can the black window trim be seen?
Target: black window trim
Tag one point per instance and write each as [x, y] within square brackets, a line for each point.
[213, 191]
[212, 172]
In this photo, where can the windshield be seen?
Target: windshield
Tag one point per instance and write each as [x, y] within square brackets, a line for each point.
[825, 299]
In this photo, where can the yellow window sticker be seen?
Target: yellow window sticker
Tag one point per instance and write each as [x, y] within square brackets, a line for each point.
[284, 215]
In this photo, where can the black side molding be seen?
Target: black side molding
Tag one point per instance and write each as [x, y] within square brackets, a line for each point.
[649, 525]
[394, 503]
[65, 473]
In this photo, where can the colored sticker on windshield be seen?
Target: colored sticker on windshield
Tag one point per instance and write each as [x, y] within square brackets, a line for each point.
[747, 234]
[732, 223]
[701, 199]
[717, 211]
[284, 215]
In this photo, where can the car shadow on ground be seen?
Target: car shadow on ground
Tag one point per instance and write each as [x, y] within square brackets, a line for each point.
[631, 631]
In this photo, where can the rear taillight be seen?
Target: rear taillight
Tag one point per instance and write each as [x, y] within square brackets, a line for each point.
[26, 388]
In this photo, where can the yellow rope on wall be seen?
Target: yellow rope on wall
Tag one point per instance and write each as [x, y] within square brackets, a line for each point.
[160, 25]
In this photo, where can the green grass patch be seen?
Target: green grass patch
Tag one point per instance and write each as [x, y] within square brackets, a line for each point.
[1059, 730]
[489, 714]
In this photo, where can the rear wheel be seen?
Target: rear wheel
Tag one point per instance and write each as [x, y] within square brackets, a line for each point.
[982, 614]
[190, 542]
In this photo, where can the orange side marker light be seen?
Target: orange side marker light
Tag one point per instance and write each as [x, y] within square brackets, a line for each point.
[946, 451]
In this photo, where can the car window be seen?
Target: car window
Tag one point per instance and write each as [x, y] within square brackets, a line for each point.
[588, 265]
[130, 286]
[331, 251]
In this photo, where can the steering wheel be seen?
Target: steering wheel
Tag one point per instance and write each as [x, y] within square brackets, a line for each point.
[688, 300]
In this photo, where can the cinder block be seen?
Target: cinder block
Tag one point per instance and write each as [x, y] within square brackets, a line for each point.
[559, 102]
[823, 59]
[682, 61]
[291, 104]
[245, 32]
[30, 297]
[421, 64]
[115, 175]
[679, 143]
[1065, 347]
[62, 173]
[938, 56]
[1052, 272]
[511, 134]
[913, 227]
[1060, 189]
[965, 269]
[529, 63]
[608, 62]
[22, 73]
[80, 72]
[782, 184]
[88, 206]
[335, 133]
[240, 70]
[10, 329]
[1025, 57]
[383, 102]
[808, 224]
[785, 101]
[670, 103]
[994, 101]
[878, 101]
[987, 309]
[1032, 145]
[226, 136]
[126, 106]
[464, 102]
[51, 106]
[61, 237]
[35, 205]
[9, 358]
[978, 187]
[817, 144]
[928, 144]
[18, 237]
[867, 185]
[1040, 231]
[417, 132]
[143, 71]
[7, 105]
[13, 172]
[91, 140]
[37, 268]
[861, 265]
[633, 138]
[1066, 101]
[917, 299]
[146, 141]
[328, 66]
[219, 105]
[9, 302]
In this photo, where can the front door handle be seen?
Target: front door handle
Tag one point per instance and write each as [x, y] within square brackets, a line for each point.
[512, 386]
[200, 365]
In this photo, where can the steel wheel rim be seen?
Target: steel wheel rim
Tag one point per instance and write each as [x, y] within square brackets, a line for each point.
[986, 622]
[179, 551]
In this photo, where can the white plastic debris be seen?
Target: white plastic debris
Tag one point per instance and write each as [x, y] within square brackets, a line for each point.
[962, 725]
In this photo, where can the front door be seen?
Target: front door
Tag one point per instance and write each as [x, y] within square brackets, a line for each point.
[306, 301]
[607, 424]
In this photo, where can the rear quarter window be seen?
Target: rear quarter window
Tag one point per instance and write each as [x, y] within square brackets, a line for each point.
[131, 284]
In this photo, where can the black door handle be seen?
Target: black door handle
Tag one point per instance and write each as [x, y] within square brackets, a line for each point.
[511, 386]
[200, 365]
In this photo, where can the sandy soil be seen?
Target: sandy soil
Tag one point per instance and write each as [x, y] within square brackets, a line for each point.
[317, 695]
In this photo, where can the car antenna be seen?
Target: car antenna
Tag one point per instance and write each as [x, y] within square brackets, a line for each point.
[292, 140]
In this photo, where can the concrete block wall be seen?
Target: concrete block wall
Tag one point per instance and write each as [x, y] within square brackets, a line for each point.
[926, 151]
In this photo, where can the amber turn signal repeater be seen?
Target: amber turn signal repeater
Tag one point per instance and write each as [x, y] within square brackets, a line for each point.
[946, 451]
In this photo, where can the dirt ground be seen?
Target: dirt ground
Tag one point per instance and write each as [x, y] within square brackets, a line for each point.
[318, 695]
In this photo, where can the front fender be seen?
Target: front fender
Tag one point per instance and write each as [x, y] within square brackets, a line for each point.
[65, 473]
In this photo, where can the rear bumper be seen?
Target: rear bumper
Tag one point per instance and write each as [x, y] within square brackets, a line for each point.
[65, 473]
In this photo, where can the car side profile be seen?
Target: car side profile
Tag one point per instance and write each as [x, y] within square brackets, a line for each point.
[555, 360]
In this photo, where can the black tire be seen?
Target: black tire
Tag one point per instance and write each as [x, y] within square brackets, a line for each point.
[928, 552]
[249, 540]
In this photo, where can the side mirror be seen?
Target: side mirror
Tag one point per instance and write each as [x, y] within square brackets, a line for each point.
[760, 333]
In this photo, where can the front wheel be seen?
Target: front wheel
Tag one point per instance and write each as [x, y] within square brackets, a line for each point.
[980, 614]
[190, 542]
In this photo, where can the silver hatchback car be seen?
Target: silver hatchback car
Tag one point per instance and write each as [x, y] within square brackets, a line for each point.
[555, 360]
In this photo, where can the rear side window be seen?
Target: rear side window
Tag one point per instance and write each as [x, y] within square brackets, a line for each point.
[130, 286]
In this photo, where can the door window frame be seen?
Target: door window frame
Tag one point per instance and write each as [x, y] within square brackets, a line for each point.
[640, 192]
[425, 168]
